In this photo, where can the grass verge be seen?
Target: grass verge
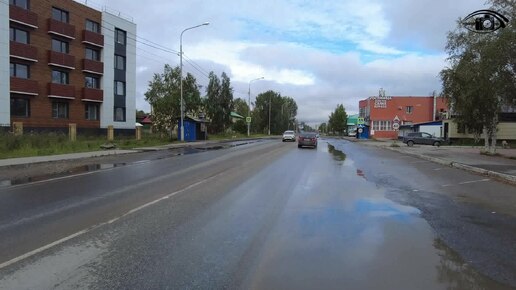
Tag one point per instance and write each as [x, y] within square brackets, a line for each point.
[55, 143]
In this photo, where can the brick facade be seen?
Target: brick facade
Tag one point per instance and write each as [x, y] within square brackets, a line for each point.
[409, 110]
[40, 47]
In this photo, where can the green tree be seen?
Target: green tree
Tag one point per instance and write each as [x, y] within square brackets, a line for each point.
[481, 77]
[164, 96]
[219, 102]
[323, 128]
[241, 107]
[337, 120]
[283, 111]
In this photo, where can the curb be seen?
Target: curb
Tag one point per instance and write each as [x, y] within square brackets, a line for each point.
[511, 179]
[21, 161]
[198, 143]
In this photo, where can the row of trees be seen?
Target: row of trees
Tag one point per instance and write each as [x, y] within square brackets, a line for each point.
[337, 122]
[164, 96]
[481, 78]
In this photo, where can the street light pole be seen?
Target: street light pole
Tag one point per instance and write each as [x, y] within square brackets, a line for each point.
[182, 128]
[249, 111]
[270, 100]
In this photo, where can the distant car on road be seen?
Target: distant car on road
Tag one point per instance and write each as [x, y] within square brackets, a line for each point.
[422, 138]
[307, 139]
[289, 136]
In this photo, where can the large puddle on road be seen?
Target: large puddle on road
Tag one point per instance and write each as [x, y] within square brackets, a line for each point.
[340, 232]
[104, 166]
[92, 167]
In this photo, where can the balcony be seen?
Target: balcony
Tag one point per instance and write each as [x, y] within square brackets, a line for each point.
[61, 29]
[24, 86]
[61, 59]
[92, 38]
[23, 51]
[61, 91]
[92, 66]
[22, 16]
[92, 95]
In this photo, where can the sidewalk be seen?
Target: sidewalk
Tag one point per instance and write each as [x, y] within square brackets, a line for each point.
[70, 156]
[462, 157]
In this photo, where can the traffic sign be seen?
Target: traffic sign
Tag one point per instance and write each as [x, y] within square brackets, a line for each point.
[248, 119]
[395, 126]
[360, 130]
[360, 121]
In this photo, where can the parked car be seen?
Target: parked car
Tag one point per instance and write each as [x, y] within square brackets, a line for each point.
[289, 136]
[307, 139]
[422, 138]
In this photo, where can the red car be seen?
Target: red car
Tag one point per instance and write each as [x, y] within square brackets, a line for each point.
[307, 139]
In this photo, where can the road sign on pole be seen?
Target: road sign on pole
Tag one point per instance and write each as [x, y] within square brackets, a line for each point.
[396, 123]
[248, 119]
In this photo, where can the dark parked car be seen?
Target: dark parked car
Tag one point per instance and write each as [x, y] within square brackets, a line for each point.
[422, 138]
[307, 139]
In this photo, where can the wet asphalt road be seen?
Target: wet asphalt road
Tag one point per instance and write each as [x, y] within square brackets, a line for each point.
[260, 216]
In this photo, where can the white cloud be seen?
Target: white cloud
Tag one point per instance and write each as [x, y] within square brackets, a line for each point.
[322, 53]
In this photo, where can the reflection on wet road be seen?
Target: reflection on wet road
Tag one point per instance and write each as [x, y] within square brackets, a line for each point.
[306, 219]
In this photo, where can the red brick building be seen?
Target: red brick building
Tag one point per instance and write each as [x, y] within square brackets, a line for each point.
[69, 63]
[380, 112]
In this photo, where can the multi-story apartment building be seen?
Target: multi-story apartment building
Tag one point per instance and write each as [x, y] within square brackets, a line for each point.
[69, 63]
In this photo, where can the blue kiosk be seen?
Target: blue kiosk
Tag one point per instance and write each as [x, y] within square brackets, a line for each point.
[195, 129]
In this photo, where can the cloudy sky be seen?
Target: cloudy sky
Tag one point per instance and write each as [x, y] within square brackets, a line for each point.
[321, 53]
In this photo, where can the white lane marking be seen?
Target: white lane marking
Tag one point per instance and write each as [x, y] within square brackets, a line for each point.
[467, 182]
[474, 181]
[439, 168]
[89, 229]
[415, 190]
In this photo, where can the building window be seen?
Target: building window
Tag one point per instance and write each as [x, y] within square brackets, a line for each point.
[119, 115]
[409, 109]
[24, 4]
[92, 54]
[92, 112]
[60, 46]
[60, 77]
[60, 15]
[19, 70]
[120, 36]
[119, 62]
[119, 88]
[92, 26]
[382, 126]
[18, 35]
[60, 110]
[92, 82]
[20, 107]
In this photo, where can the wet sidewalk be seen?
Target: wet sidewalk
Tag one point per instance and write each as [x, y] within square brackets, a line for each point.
[501, 167]
[60, 157]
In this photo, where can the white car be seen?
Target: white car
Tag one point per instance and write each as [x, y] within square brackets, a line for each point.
[289, 136]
